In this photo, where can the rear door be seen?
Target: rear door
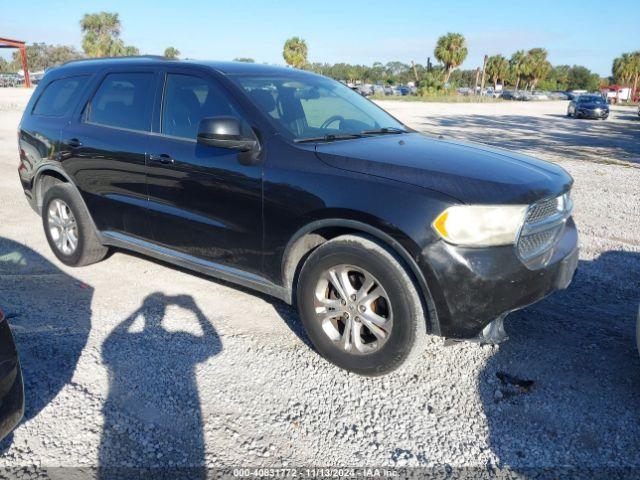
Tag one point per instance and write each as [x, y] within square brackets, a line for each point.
[203, 202]
[104, 149]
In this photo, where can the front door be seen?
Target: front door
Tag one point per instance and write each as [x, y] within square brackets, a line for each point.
[203, 202]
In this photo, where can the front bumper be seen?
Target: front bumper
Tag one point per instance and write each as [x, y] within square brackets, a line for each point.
[11, 386]
[473, 286]
[597, 113]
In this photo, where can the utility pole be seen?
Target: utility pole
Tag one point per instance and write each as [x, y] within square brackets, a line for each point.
[484, 72]
[428, 64]
[415, 72]
[475, 86]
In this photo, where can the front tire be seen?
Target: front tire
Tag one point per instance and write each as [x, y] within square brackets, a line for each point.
[360, 306]
[69, 228]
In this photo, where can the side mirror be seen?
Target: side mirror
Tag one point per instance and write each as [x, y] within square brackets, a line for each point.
[224, 132]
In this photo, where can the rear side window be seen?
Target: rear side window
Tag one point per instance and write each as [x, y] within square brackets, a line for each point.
[123, 101]
[60, 96]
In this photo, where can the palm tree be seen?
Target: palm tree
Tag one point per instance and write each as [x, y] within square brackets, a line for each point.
[451, 50]
[171, 52]
[626, 69]
[516, 64]
[101, 36]
[295, 52]
[497, 69]
[536, 66]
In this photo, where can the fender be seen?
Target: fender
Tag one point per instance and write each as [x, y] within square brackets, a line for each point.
[396, 247]
[37, 194]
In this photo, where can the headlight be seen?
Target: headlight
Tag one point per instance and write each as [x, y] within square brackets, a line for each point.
[480, 225]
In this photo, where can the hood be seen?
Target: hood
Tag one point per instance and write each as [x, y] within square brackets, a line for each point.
[470, 173]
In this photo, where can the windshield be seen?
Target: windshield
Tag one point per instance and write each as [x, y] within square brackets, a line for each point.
[314, 108]
[590, 99]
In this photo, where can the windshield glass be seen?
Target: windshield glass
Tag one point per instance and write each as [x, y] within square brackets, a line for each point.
[312, 107]
[590, 99]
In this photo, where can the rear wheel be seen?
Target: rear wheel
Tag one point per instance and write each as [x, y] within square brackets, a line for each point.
[360, 306]
[68, 227]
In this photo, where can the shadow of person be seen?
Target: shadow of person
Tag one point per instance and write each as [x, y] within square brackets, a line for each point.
[50, 315]
[152, 416]
[564, 390]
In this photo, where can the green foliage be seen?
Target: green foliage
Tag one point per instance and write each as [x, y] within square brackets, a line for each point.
[517, 67]
[41, 56]
[295, 52]
[391, 73]
[244, 60]
[101, 36]
[451, 51]
[431, 83]
[581, 78]
[497, 69]
[5, 67]
[171, 52]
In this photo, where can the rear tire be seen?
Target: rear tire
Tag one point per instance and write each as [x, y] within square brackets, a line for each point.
[69, 228]
[380, 325]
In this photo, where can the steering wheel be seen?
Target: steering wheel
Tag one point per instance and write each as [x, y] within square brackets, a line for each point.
[330, 120]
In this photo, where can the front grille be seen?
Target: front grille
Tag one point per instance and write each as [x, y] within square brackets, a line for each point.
[541, 210]
[542, 227]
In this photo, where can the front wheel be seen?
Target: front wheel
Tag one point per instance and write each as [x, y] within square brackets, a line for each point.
[360, 307]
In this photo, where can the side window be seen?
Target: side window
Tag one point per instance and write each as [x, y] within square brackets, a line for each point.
[187, 100]
[59, 96]
[122, 100]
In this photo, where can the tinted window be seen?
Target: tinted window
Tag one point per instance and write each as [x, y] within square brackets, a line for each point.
[123, 101]
[187, 100]
[59, 96]
[307, 106]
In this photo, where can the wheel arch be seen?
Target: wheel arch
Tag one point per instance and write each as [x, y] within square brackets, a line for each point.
[48, 175]
[315, 233]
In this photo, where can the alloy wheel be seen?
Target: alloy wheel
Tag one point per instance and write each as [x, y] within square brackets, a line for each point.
[354, 309]
[62, 227]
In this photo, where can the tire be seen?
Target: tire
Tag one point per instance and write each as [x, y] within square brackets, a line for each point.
[88, 249]
[398, 305]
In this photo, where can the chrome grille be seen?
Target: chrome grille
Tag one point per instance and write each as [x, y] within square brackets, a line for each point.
[543, 225]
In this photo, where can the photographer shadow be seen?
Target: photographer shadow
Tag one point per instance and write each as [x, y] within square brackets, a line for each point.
[152, 416]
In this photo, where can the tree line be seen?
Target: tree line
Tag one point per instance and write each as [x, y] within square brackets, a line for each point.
[522, 70]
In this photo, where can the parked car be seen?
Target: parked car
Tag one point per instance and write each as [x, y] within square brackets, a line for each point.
[378, 90]
[588, 106]
[404, 90]
[558, 95]
[11, 387]
[378, 234]
[508, 95]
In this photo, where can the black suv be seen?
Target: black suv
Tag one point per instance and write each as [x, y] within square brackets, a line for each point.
[292, 184]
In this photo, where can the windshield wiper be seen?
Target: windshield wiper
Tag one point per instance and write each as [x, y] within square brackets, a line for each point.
[383, 131]
[329, 137]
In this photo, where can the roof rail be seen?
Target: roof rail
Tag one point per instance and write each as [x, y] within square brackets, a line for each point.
[89, 59]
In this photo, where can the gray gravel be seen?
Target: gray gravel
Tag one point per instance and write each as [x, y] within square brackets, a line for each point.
[130, 362]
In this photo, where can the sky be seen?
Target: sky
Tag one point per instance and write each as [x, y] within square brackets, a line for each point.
[589, 33]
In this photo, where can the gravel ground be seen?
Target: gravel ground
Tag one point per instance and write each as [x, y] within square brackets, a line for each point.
[131, 362]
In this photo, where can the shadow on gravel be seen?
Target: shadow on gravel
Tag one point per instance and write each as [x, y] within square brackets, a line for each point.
[556, 134]
[564, 389]
[152, 417]
[50, 314]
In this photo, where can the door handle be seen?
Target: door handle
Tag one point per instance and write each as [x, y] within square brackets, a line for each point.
[74, 143]
[161, 158]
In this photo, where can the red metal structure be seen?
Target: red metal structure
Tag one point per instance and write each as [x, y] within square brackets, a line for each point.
[7, 43]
